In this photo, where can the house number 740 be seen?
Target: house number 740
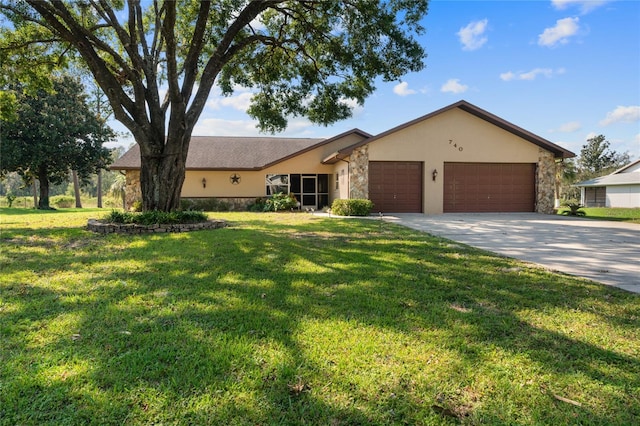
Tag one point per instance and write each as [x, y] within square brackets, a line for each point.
[455, 145]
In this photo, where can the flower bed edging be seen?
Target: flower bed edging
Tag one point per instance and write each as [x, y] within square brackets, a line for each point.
[99, 227]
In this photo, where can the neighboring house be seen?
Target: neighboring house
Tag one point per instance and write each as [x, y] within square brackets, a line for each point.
[457, 159]
[619, 189]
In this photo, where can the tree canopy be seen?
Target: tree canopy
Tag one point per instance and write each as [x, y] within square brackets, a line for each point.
[157, 62]
[55, 132]
[597, 158]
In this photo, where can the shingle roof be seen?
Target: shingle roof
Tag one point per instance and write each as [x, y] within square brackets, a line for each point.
[610, 180]
[230, 153]
[619, 177]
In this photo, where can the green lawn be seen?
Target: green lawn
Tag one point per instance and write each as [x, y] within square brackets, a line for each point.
[606, 213]
[296, 319]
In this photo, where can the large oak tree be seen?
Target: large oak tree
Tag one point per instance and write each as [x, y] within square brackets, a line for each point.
[157, 62]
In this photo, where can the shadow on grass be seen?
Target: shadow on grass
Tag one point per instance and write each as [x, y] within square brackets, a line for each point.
[273, 323]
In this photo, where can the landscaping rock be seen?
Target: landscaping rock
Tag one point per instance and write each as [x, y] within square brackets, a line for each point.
[100, 227]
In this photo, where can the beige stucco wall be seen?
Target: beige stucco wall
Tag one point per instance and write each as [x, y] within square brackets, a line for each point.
[453, 136]
[252, 183]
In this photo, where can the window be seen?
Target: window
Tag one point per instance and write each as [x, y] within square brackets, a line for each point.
[311, 190]
[337, 181]
[277, 183]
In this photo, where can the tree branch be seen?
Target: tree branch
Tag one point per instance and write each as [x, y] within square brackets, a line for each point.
[197, 41]
[66, 25]
[218, 58]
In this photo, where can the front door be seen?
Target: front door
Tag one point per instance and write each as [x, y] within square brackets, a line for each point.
[309, 192]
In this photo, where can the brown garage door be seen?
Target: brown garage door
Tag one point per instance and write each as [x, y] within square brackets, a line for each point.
[489, 187]
[396, 186]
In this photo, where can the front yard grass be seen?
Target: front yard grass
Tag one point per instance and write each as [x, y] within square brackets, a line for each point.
[608, 213]
[295, 319]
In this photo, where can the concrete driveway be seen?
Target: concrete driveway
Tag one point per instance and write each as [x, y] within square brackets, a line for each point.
[603, 251]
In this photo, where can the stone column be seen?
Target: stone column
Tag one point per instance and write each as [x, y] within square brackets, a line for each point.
[359, 168]
[132, 189]
[545, 182]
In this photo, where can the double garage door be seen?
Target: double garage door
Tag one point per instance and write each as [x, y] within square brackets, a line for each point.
[397, 187]
[489, 187]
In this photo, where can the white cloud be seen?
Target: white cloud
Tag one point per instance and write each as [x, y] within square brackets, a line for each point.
[585, 6]
[508, 76]
[222, 127]
[472, 36]
[241, 101]
[564, 29]
[453, 86]
[531, 75]
[625, 114]
[353, 104]
[402, 89]
[571, 126]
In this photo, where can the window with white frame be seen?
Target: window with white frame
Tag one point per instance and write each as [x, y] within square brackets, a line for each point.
[277, 183]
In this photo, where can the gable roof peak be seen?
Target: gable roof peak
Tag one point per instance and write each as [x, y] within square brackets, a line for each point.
[472, 109]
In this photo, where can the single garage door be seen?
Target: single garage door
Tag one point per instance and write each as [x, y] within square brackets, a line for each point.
[396, 186]
[489, 187]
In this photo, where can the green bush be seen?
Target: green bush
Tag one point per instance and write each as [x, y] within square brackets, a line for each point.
[10, 198]
[280, 201]
[62, 201]
[574, 206]
[136, 206]
[205, 204]
[156, 217]
[352, 207]
[258, 205]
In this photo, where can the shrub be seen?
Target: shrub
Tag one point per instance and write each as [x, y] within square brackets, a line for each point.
[62, 201]
[10, 198]
[280, 201]
[156, 217]
[574, 206]
[205, 204]
[136, 206]
[258, 205]
[352, 207]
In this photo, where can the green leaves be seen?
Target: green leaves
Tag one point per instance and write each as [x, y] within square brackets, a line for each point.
[596, 157]
[55, 130]
[308, 59]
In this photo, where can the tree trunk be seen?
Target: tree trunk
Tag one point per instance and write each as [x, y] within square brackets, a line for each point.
[99, 189]
[162, 175]
[43, 203]
[34, 188]
[76, 189]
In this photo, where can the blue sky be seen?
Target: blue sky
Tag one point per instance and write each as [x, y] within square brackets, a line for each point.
[565, 70]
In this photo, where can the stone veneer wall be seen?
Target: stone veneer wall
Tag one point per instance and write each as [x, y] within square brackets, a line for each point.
[545, 182]
[359, 168]
[132, 191]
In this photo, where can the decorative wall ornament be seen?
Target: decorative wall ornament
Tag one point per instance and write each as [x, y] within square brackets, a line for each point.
[234, 179]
